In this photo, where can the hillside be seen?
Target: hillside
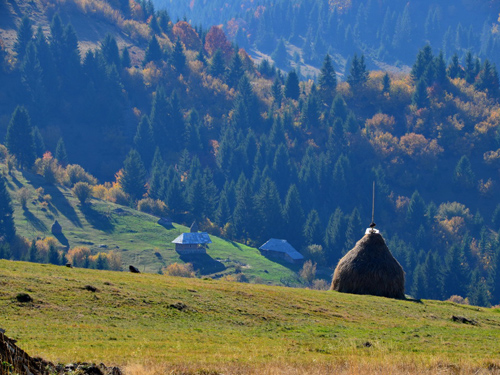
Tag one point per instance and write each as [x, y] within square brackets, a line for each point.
[155, 324]
[104, 226]
[252, 153]
[389, 33]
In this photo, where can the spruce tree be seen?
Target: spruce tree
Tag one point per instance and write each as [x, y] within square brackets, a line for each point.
[277, 91]
[178, 58]
[358, 75]
[24, 36]
[133, 181]
[143, 140]
[327, 81]
[313, 231]
[334, 234]
[61, 154]
[236, 70]
[153, 51]
[463, 175]
[280, 56]
[32, 255]
[292, 89]
[268, 211]
[110, 52]
[386, 84]
[217, 66]
[293, 216]
[420, 97]
[454, 69]
[19, 140]
[7, 227]
[39, 143]
[415, 214]
[53, 255]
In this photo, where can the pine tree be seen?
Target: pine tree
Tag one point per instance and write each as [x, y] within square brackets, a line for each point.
[143, 140]
[39, 143]
[420, 97]
[157, 181]
[236, 70]
[277, 91]
[110, 52]
[327, 81]
[293, 216]
[470, 73]
[243, 215]
[61, 154]
[280, 56]
[159, 117]
[223, 213]
[334, 237]
[32, 255]
[424, 59]
[440, 69]
[292, 89]
[7, 227]
[313, 231]
[133, 181]
[19, 140]
[464, 176]
[53, 255]
[217, 66]
[178, 58]
[386, 84]
[24, 36]
[488, 79]
[358, 75]
[153, 51]
[454, 69]
[415, 214]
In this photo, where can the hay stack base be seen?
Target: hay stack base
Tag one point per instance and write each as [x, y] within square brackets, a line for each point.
[370, 268]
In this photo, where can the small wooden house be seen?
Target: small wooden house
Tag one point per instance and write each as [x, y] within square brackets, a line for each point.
[192, 243]
[281, 249]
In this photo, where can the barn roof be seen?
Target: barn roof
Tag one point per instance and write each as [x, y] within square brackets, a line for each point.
[282, 246]
[193, 238]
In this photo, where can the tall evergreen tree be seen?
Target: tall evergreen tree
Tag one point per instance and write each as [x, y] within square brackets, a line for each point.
[327, 81]
[280, 56]
[19, 140]
[277, 91]
[268, 211]
[7, 227]
[464, 176]
[386, 84]
[292, 89]
[153, 51]
[61, 154]
[39, 143]
[420, 97]
[143, 140]
[157, 182]
[125, 58]
[178, 58]
[293, 216]
[24, 36]
[454, 69]
[358, 75]
[313, 231]
[217, 65]
[133, 181]
[110, 52]
[235, 71]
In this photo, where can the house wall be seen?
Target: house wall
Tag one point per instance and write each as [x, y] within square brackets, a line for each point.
[190, 249]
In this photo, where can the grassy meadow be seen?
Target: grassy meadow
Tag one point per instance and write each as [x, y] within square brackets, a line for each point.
[156, 324]
[104, 226]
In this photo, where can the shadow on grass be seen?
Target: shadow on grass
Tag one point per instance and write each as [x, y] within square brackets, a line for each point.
[203, 263]
[34, 221]
[16, 181]
[62, 239]
[97, 219]
[59, 201]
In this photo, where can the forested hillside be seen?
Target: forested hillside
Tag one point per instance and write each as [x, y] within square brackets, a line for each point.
[300, 33]
[189, 124]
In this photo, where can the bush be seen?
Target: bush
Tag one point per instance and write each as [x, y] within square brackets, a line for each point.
[82, 191]
[308, 272]
[49, 168]
[79, 256]
[75, 174]
[459, 299]
[24, 195]
[180, 270]
[153, 207]
[320, 284]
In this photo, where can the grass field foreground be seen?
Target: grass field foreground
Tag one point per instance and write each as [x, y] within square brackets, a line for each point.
[155, 324]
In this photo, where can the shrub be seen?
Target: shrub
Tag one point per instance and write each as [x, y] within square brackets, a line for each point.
[458, 299]
[24, 195]
[79, 256]
[116, 195]
[3, 153]
[308, 272]
[153, 207]
[320, 284]
[76, 174]
[49, 168]
[180, 270]
[82, 191]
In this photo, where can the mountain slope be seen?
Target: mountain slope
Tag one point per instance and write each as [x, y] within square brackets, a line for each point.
[104, 226]
[157, 323]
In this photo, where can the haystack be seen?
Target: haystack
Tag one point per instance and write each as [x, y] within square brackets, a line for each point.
[370, 268]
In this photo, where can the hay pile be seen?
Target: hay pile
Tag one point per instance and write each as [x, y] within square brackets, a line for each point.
[370, 268]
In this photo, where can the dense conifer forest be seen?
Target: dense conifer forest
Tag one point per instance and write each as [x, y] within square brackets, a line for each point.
[387, 32]
[189, 126]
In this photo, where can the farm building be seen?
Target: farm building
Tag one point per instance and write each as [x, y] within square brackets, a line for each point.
[192, 243]
[275, 248]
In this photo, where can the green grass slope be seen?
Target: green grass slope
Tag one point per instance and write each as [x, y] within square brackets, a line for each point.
[104, 226]
[157, 320]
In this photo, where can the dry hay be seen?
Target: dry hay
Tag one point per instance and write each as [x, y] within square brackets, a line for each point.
[370, 268]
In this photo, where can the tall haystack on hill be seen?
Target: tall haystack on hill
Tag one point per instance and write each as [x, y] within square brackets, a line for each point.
[370, 268]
